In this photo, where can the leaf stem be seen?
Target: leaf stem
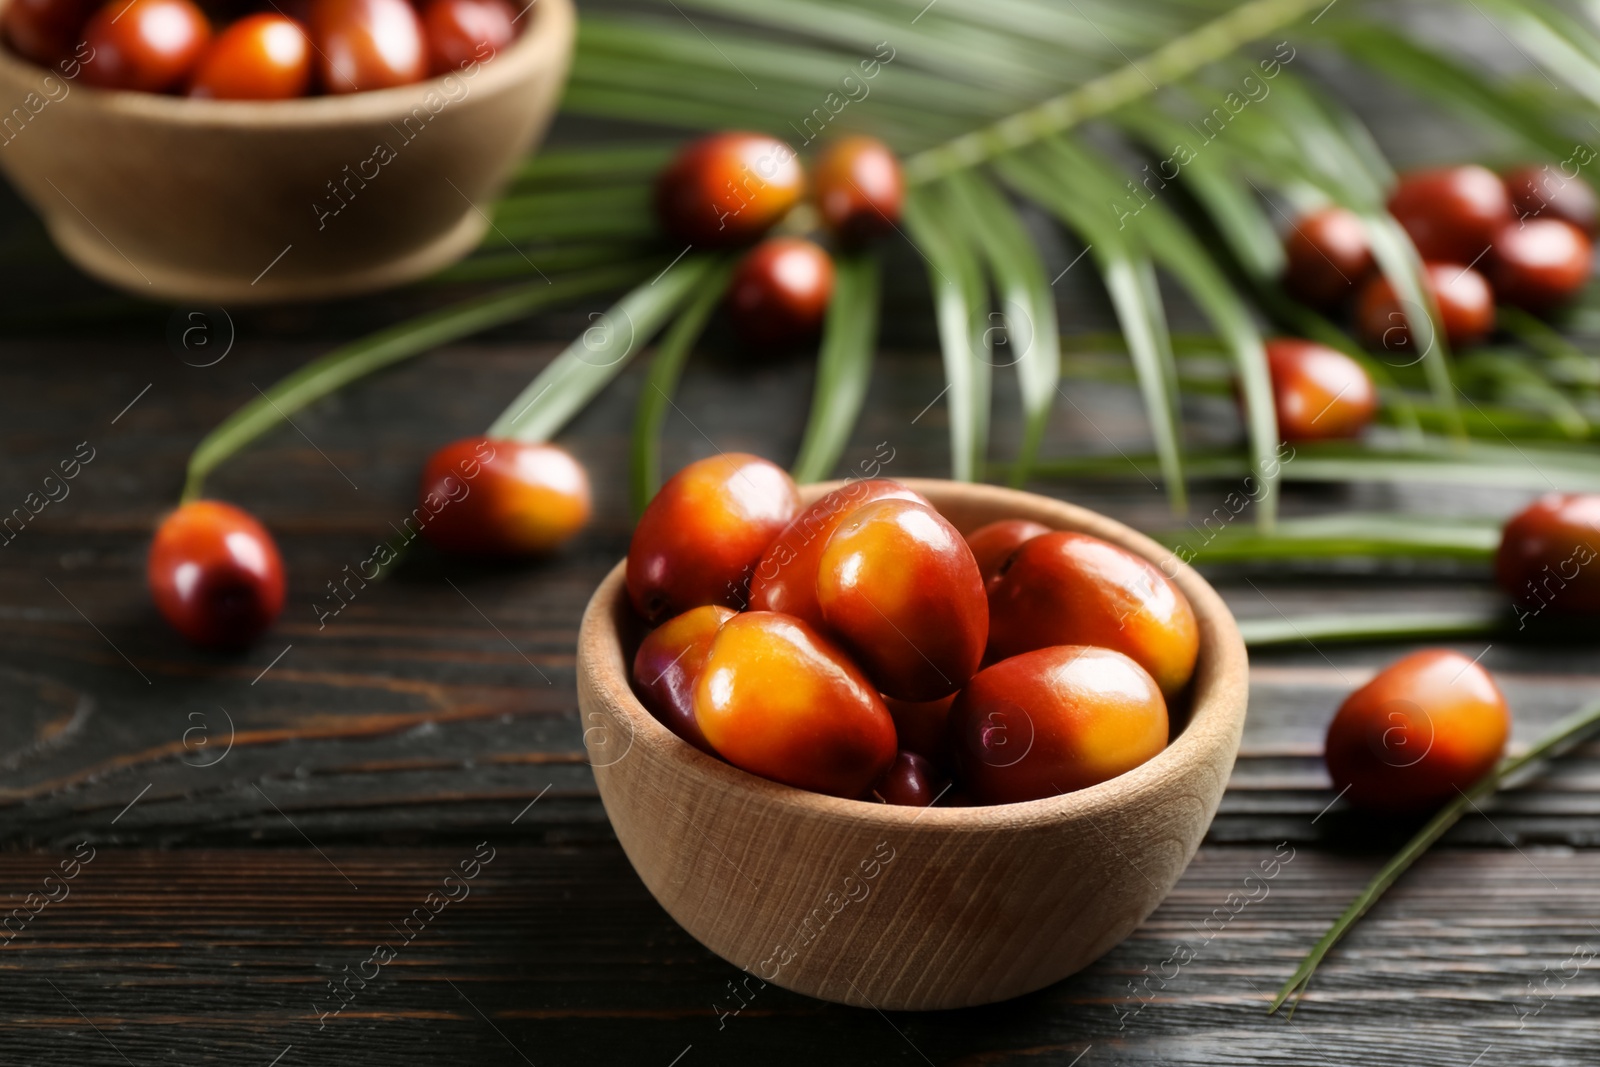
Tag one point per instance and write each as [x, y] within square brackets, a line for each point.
[1177, 59]
[1566, 733]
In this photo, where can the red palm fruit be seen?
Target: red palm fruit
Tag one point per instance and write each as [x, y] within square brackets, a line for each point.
[1319, 392]
[1466, 308]
[911, 781]
[778, 699]
[367, 44]
[215, 574]
[495, 497]
[1328, 257]
[786, 578]
[1547, 552]
[148, 45]
[859, 188]
[46, 31]
[463, 32]
[700, 538]
[993, 544]
[1052, 721]
[728, 188]
[1451, 213]
[1540, 264]
[668, 664]
[1539, 192]
[899, 587]
[1426, 726]
[780, 292]
[259, 57]
[1072, 589]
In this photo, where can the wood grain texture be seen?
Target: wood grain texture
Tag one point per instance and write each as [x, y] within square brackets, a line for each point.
[264, 202]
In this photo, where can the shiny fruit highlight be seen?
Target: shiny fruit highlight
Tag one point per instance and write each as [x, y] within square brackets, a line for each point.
[701, 536]
[494, 497]
[1466, 309]
[260, 57]
[1540, 264]
[667, 668]
[780, 292]
[899, 587]
[1319, 392]
[148, 45]
[215, 574]
[1328, 258]
[1547, 555]
[1053, 721]
[777, 699]
[911, 781]
[367, 44]
[859, 188]
[1451, 213]
[1428, 725]
[728, 189]
[1066, 588]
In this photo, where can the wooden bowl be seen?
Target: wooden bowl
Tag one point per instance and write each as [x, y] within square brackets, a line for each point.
[256, 202]
[909, 908]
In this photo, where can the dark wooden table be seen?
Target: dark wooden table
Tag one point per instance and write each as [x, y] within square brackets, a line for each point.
[258, 824]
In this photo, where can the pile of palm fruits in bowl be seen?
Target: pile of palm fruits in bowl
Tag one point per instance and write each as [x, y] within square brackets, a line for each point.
[1520, 240]
[863, 648]
[224, 50]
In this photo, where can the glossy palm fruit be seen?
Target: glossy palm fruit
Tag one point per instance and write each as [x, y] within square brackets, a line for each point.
[921, 725]
[1466, 308]
[1319, 392]
[1425, 726]
[493, 497]
[778, 699]
[728, 189]
[1547, 555]
[260, 57]
[786, 578]
[1072, 589]
[700, 538]
[780, 292]
[1451, 213]
[993, 544]
[147, 45]
[462, 32]
[1539, 264]
[367, 44]
[858, 188]
[911, 781]
[1328, 257]
[1052, 721]
[46, 31]
[899, 587]
[667, 668]
[1539, 192]
[215, 574]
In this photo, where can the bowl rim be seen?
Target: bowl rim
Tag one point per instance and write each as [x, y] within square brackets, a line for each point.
[1216, 714]
[552, 30]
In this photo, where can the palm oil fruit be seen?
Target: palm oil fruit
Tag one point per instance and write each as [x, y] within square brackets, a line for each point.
[702, 534]
[777, 699]
[1052, 721]
[993, 544]
[367, 44]
[1466, 309]
[779, 294]
[1540, 264]
[667, 668]
[859, 189]
[1426, 726]
[1451, 213]
[910, 781]
[1327, 257]
[463, 32]
[728, 189]
[1066, 588]
[785, 580]
[494, 497]
[147, 45]
[1542, 193]
[260, 57]
[215, 574]
[1547, 554]
[46, 31]
[1319, 392]
[899, 587]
